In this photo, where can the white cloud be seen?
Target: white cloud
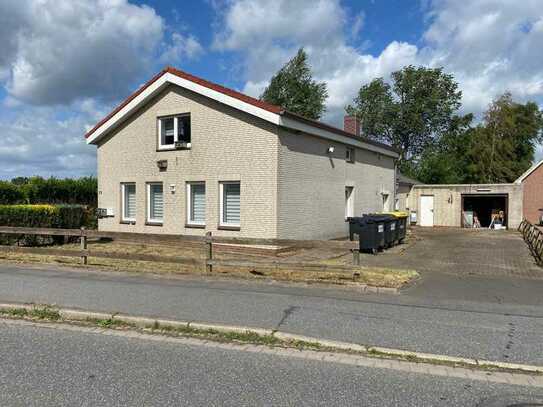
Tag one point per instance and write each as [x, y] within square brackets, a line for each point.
[268, 34]
[35, 141]
[181, 47]
[62, 50]
[490, 47]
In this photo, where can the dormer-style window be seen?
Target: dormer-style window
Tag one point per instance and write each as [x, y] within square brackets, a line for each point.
[174, 132]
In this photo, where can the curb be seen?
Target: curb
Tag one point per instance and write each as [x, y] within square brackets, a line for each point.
[330, 345]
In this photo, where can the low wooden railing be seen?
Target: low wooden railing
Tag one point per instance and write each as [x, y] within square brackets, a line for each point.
[206, 243]
[534, 238]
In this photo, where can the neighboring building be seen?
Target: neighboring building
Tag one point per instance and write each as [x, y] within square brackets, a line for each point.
[184, 156]
[405, 186]
[455, 205]
[532, 185]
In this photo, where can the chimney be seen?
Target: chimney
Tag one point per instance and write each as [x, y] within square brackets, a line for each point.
[351, 124]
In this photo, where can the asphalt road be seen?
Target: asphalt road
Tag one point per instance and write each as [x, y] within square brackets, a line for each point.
[51, 367]
[497, 319]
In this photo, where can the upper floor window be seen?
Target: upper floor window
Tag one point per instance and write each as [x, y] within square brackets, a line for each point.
[349, 155]
[174, 132]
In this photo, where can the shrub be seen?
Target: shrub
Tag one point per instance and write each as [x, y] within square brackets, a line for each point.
[40, 216]
[10, 194]
[80, 191]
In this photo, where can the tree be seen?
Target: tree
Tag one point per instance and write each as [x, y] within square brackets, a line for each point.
[497, 150]
[411, 114]
[504, 144]
[294, 89]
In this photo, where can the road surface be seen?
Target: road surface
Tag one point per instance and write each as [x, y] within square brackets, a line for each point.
[52, 367]
[493, 319]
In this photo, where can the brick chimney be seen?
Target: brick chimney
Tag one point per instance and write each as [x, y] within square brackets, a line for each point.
[351, 125]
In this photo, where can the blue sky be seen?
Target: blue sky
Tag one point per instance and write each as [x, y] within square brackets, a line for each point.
[65, 63]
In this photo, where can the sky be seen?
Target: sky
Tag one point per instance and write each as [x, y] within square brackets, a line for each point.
[64, 64]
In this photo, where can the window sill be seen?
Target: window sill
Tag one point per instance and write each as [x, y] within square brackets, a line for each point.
[172, 149]
[227, 227]
[127, 222]
[153, 223]
[193, 226]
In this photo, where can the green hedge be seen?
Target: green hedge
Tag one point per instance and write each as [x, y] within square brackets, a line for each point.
[40, 216]
[10, 193]
[38, 190]
[44, 216]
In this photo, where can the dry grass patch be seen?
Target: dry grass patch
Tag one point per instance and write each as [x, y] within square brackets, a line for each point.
[378, 277]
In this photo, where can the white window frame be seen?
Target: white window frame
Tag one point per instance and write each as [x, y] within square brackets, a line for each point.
[349, 155]
[190, 222]
[149, 219]
[221, 204]
[175, 133]
[123, 201]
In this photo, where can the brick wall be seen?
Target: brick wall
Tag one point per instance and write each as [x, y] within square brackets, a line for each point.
[533, 195]
[227, 145]
[311, 182]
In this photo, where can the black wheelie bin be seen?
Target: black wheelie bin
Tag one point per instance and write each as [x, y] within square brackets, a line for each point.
[372, 233]
[355, 226]
[391, 229]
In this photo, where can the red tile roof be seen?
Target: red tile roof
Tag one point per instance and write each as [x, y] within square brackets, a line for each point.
[229, 92]
[237, 95]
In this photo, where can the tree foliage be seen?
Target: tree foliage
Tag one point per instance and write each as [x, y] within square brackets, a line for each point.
[294, 89]
[411, 113]
[497, 150]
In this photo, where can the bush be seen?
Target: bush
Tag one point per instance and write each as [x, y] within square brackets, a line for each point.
[81, 191]
[40, 216]
[10, 194]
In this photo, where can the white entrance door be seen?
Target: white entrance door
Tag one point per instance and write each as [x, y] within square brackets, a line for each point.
[349, 205]
[427, 210]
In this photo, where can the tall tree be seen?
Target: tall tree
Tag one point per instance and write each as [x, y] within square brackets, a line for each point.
[411, 113]
[499, 149]
[504, 144]
[294, 89]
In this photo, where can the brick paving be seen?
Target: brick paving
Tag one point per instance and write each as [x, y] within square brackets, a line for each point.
[461, 251]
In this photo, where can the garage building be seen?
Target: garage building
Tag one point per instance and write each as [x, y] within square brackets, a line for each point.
[455, 205]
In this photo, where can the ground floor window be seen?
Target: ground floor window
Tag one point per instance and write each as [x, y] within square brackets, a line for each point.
[128, 202]
[155, 203]
[196, 203]
[230, 204]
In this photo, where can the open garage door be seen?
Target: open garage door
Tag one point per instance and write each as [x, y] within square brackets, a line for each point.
[483, 206]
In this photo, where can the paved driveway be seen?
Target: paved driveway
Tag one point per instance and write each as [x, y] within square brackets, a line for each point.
[462, 252]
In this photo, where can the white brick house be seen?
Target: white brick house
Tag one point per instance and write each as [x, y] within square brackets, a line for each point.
[184, 156]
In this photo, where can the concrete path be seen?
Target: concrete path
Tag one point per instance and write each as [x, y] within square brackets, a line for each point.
[65, 367]
[494, 319]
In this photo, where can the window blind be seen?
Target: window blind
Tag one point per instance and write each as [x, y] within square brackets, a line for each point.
[231, 204]
[129, 201]
[198, 203]
[156, 197]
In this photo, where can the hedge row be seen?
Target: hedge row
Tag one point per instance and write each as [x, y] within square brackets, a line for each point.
[40, 216]
[38, 190]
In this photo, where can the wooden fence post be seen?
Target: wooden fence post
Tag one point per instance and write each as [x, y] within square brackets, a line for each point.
[356, 257]
[83, 246]
[209, 251]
